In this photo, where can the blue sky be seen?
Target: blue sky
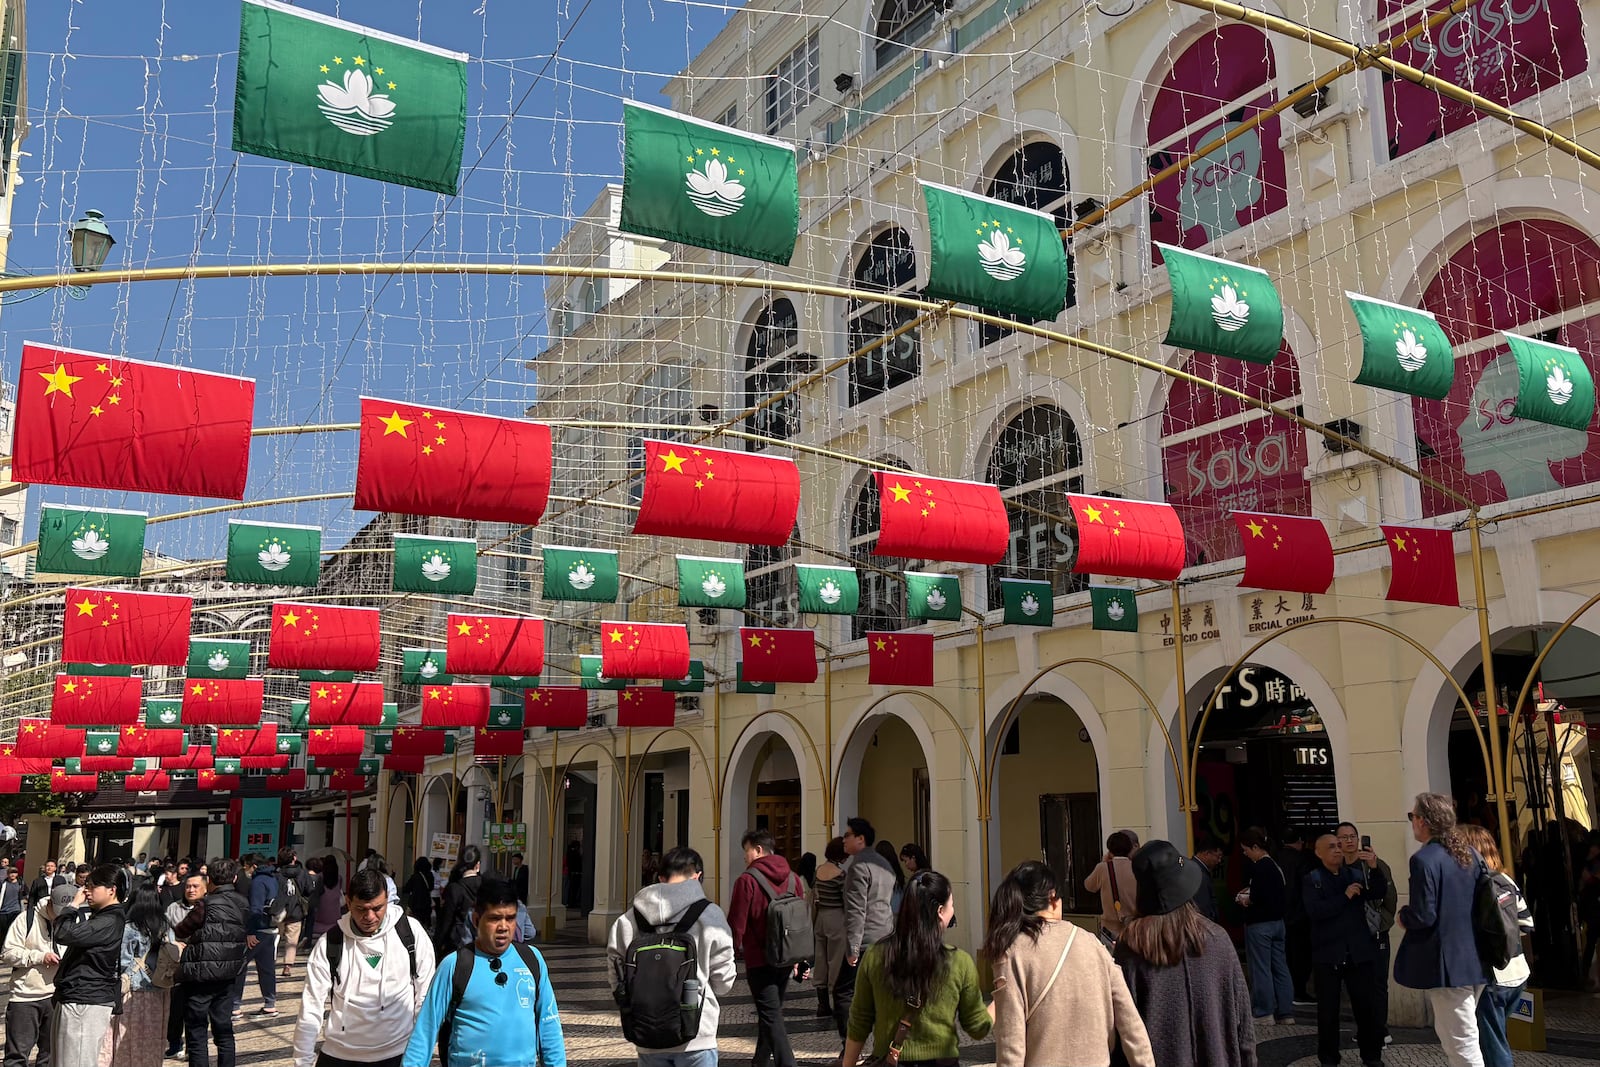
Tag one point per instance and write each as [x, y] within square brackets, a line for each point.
[130, 105]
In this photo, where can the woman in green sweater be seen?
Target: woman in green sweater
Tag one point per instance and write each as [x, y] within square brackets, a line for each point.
[913, 990]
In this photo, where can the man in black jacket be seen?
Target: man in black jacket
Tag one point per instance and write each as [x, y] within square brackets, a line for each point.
[213, 956]
[88, 982]
[1344, 948]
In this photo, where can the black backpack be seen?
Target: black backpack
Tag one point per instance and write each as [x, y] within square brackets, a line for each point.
[466, 956]
[335, 949]
[1494, 920]
[789, 938]
[292, 902]
[657, 1011]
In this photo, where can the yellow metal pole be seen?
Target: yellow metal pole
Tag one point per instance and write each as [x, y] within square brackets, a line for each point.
[983, 777]
[1486, 645]
[550, 846]
[716, 794]
[1186, 801]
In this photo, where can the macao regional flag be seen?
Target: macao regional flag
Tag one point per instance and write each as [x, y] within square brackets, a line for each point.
[494, 644]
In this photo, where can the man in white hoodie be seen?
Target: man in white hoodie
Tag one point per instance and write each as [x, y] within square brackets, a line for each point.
[663, 906]
[382, 963]
[33, 956]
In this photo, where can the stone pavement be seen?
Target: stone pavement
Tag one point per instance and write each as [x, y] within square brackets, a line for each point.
[582, 988]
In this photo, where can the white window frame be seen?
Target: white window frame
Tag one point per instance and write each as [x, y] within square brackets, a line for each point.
[780, 369]
[792, 84]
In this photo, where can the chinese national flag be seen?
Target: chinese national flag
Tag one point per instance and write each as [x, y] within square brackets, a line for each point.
[933, 518]
[209, 779]
[1287, 552]
[107, 764]
[40, 737]
[102, 626]
[429, 461]
[198, 758]
[644, 650]
[711, 494]
[262, 741]
[345, 703]
[104, 422]
[274, 762]
[104, 700]
[148, 782]
[778, 655]
[1127, 538]
[494, 644]
[496, 742]
[899, 658]
[455, 705]
[335, 741]
[139, 740]
[560, 707]
[287, 782]
[62, 782]
[405, 764]
[1422, 565]
[415, 741]
[321, 638]
[349, 781]
[222, 701]
[11, 763]
[637, 706]
[338, 761]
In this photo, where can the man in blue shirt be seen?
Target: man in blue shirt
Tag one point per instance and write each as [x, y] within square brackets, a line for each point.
[503, 1014]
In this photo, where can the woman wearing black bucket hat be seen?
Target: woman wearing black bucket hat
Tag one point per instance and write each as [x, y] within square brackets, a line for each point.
[1182, 969]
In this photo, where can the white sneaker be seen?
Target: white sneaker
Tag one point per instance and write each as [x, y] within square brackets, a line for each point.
[1266, 1020]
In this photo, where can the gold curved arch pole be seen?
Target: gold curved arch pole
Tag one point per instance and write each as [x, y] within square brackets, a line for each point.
[823, 770]
[1568, 624]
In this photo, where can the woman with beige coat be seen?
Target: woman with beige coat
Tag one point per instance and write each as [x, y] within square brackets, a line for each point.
[827, 923]
[1058, 998]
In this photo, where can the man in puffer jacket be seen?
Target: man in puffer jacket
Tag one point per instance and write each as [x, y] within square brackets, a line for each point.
[372, 1006]
[31, 953]
[213, 956]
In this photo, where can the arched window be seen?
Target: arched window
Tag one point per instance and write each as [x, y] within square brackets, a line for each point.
[771, 365]
[883, 597]
[1034, 176]
[1218, 455]
[889, 265]
[902, 23]
[1538, 278]
[665, 397]
[1218, 82]
[772, 591]
[1037, 460]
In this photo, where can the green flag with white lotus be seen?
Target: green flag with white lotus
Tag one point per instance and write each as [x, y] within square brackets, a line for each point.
[933, 596]
[316, 90]
[515, 681]
[505, 717]
[228, 765]
[994, 255]
[291, 744]
[326, 676]
[217, 657]
[757, 688]
[1226, 309]
[299, 714]
[1402, 349]
[162, 711]
[262, 553]
[587, 574]
[391, 715]
[1554, 383]
[435, 564]
[705, 582]
[691, 181]
[693, 682]
[100, 542]
[1113, 608]
[1027, 602]
[828, 590]
[423, 666]
[100, 742]
[590, 676]
[98, 670]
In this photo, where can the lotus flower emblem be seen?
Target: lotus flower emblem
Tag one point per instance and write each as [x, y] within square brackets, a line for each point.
[1115, 611]
[219, 661]
[1558, 385]
[354, 107]
[1411, 352]
[830, 592]
[713, 586]
[428, 668]
[103, 746]
[169, 716]
[713, 191]
[1229, 310]
[436, 568]
[999, 258]
[1030, 605]
[504, 718]
[283, 745]
[274, 557]
[580, 577]
[936, 600]
[91, 546]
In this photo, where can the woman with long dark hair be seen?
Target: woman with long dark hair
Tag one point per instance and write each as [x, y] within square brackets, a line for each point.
[138, 1036]
[1058, 998]
[892, 858]
[1505, 983]
[1181, 968]
[913, 990]
[419, 892]
[330, 901]
[455, 907]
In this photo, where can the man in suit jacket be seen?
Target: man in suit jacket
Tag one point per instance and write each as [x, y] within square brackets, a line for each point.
[519, 876]
[1439, 954]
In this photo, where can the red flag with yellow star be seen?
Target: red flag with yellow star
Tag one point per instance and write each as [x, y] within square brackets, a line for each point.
[148, 782]
[104, 422]
[349, 781]
[645, 708]
[198, 758]
[486, 742]
[12, 783]
[405, 764]
[139, 740]
[276, 762]
[11, 763]
[644, 650]
[455, 705]
[712, 494]
[778, 655]
[494, 644]
[41, 737]
[96, 701]
[429, 461]
[557, 707]
[1422, 565]
[262, 741]
[1127, 538]
[1287, 552]
[287, 782]
[345, 703]
[936, 518]
[104, 626]
[209, 779]
[62, 782]
[222, 701]
[415, 741]
[335, 741]
[316, 637]
[899, 658]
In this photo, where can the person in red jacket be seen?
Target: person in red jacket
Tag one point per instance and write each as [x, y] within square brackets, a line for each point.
[747, 915]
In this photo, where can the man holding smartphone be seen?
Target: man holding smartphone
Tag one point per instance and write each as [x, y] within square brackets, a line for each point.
[1344, 950]
[1359, 857]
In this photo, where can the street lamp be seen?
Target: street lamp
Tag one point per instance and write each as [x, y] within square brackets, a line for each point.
[91, 243]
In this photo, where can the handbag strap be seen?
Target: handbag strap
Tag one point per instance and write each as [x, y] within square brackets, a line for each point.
[902, 1030]
[1060, 963]
[1116, 894]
